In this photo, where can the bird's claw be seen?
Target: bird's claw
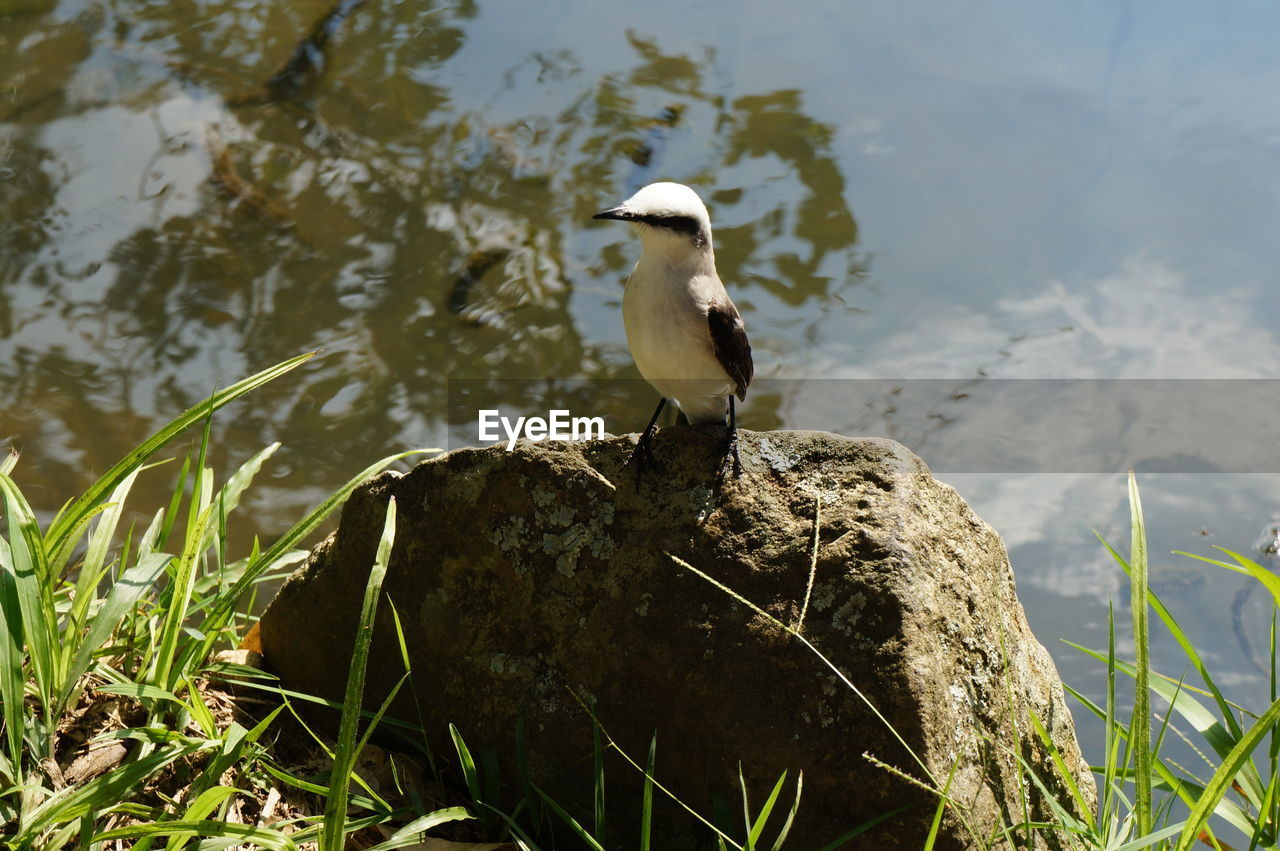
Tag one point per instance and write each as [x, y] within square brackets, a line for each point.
[641, 456]
[732, 458]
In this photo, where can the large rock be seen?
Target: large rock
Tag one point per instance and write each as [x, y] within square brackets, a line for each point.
[523, 576]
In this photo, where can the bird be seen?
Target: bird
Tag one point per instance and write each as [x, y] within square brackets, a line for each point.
[685, 334]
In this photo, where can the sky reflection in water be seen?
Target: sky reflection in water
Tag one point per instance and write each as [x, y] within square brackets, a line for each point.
[899, 190]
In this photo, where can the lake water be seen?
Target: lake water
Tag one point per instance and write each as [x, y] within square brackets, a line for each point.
[900, 191]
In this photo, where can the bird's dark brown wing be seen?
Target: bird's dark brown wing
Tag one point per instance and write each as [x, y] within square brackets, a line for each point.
[729, 338]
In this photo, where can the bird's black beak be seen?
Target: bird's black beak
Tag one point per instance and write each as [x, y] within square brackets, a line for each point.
[622, 214]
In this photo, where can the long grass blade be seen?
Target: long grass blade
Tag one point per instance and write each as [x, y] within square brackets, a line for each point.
[578, 830]
[112, 786]
[413, 832]
[204, 804]
[168, 518]
[34, 586]
[12, 678]
[59, 535]
[345, 752]
[142, 691]
[791, 815]
[1188, 648]
[1059, 763]
[165, 672]
[1140, 729]
[756, 829]
[843, 677]
[597, 776]
[1243, 565]
[468, 764]
[1201, 719]
[1220, 783]
[938, 812]
[95, 559]
[124, 595]
[646, 800]
[1151, 839]
[240, 834]
[221, 612]
[228, 498]
[864, 827]
[1112, 740]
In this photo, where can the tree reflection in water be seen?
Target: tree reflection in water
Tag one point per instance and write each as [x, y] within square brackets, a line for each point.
[163, 233]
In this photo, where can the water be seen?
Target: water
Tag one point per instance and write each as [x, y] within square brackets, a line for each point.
[899, 191]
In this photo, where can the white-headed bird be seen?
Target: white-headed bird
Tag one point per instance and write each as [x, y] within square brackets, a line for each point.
[685, 333]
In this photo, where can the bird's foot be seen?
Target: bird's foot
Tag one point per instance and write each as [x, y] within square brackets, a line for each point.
[642, 455]
[732, 458]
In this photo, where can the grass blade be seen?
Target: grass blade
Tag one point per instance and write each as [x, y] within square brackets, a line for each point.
[1220, 783]
[942, 808]
[1112, 740]
[646, 801]
[228, 498]
[1189, 649]
[113, 786]
[95, 559]
[242, 834]
[30, 566]
[1204, 721]
[165, 673]
[531, 801]
[864, 827]
[1243, 565]
[345, 753]
[123, 596]
[60, 530]
[11, 654]
[468, 764]
[598, 779]
[220, 615]
[1140, 729]
[577, 829]
[767, 810]
[412, 833]
[791, 815]
[142, 691]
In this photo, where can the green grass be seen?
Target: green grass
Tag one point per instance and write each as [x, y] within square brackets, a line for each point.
[102, 615]
[1142, 789]
[96, 614]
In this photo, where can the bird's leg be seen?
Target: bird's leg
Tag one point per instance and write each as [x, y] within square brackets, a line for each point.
[733, 441]
[643, 453]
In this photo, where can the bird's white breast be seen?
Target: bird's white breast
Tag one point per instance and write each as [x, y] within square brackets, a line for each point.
[664, 309]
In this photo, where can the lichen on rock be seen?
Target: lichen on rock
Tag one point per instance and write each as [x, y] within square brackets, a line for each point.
[534, 581]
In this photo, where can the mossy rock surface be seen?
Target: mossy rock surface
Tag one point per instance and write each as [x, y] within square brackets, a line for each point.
[525, 578]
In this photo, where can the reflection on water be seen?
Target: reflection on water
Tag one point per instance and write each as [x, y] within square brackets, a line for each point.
[1041, 190]
[191, 202]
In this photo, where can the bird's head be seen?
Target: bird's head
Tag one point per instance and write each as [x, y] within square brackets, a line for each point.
[662, 212]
